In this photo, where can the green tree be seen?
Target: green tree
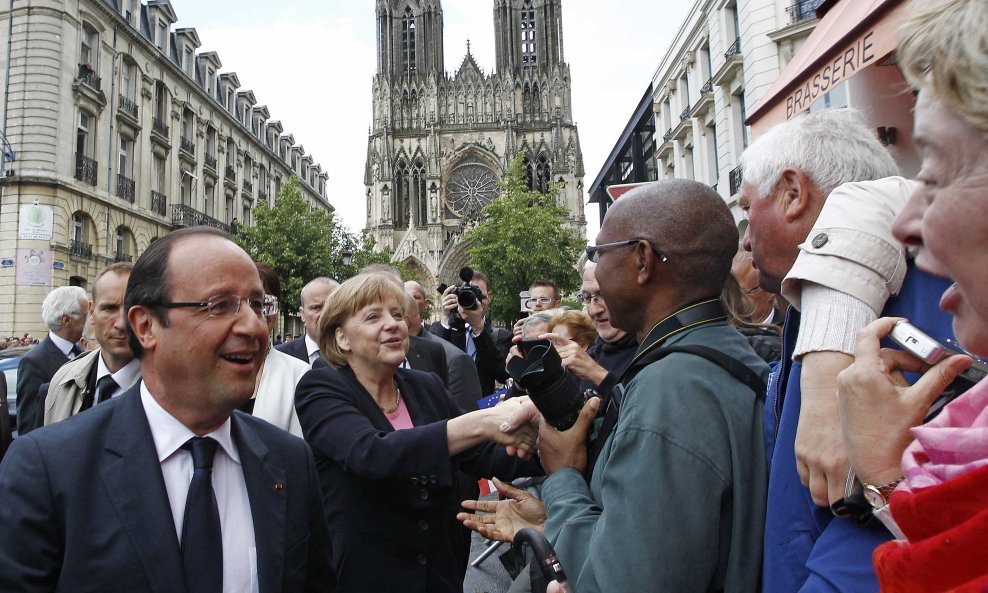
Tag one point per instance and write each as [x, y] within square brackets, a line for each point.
[522, 237]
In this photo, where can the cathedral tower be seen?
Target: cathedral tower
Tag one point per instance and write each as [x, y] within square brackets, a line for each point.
[440, 142]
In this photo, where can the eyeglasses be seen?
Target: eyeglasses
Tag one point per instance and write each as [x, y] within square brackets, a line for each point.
[594, 251]
[585, 298]
[539, 301]
[224, 305]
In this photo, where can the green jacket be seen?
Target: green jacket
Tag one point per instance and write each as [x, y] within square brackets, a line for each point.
[676, 501]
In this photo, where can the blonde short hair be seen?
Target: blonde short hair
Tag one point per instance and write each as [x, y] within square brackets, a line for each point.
[352, 296]
[580, 326]
[943, 50]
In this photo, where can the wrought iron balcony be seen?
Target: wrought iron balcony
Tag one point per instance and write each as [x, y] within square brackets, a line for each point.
[188, 146]
[231, 173]
[159, 202]
[685, 115]
[121, 256]
[667, 136]
[88, 76]
[85, 169]
[125, 188]
[248, 187]
[186, 216]
[802, 10]
[736, 180]
[159, 126]
[209, 161]
[80, 249]
[733, 50]
[708, 87]
[262, 196]
[128, 106]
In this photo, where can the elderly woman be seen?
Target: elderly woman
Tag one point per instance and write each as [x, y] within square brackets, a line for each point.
[274, 392]
[575, 326]
[388, 443]
[939, 471]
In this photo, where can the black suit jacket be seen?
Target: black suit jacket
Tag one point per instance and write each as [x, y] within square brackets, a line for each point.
[390, 494]
[36, 367]
[97, 518]
[295, 348]
[464, 383]
[427, 356]
[490, 363]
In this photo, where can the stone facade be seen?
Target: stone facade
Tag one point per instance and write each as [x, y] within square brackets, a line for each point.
[440, 142]
[118, 123]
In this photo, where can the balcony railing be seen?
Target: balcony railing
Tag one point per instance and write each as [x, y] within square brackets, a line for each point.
[685, 115]
[802, 10]
[231, 173]
[121, 256]
[125, 188]
[667, 136]
[85, 169]
[159, 126]
[80, 249]
[248, 187]
[88, 76]
[209, 161]
[159, 202]
[708, 87]
[128, 106]
[262, 196]
[188, 146]
[736, 179]
[733, 50]
[186, 216]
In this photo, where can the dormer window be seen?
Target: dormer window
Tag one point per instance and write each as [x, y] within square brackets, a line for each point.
[161, 39]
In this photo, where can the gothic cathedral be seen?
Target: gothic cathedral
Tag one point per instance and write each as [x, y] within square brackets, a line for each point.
[440, 143]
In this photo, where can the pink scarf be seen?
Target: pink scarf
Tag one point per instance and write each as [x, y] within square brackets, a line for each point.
[952, 444]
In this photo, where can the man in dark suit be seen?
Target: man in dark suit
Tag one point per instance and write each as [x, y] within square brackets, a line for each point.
[471, 331]
[464, 383]
[64, 312]
[313, 296]
[119, 513]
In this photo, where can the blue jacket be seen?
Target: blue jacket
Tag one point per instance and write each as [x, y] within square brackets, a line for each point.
[806, 548]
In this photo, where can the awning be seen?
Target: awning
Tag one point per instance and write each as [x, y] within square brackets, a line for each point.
[852, 36]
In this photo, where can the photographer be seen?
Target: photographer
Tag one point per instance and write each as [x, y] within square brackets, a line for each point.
[683, 446]
[468, 328]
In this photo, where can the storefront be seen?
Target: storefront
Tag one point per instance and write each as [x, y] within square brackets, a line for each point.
[849, 61]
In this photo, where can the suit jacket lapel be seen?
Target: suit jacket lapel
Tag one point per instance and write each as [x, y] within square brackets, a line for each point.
[266, 485]
[131, 475]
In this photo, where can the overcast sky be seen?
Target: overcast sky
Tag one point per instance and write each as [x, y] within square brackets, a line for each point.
[312, 63]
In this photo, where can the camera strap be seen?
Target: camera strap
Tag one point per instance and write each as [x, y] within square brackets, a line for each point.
[651, 351]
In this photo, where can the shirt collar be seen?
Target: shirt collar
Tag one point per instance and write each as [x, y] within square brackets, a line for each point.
[64, 345]
[170, 434]
[125, 377]
[310, 345]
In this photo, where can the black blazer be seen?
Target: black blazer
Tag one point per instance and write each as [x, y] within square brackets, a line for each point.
[36, 367]
[427, 356]
[295, 348]
[389, 494]
[97, 518]
[490, 361]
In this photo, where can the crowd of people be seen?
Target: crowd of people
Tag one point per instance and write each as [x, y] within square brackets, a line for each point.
[735, 419]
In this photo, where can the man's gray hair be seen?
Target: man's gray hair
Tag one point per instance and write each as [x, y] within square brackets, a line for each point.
[832, 147]
[64, 300]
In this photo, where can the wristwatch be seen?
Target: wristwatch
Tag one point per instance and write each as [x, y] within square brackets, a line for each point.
[878, 496]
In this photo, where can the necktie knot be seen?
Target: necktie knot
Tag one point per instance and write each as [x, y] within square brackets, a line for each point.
[106, 387]
[203, 450]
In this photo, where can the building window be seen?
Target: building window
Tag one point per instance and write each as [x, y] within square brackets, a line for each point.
[401, 197]
[529, 53]
[408, 41]
[162, 36]
[90, 44]
[160, 92]
[187, 180]
[78, 228]
[187, 64]
[160, 181]
[537, 173]
[209, 200]
[419, 196]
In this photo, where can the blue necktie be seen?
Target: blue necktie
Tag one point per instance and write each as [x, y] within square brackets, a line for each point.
[202, 538]
[471, 347]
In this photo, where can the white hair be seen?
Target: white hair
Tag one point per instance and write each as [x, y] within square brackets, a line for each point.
[64, 300]
[832, 147]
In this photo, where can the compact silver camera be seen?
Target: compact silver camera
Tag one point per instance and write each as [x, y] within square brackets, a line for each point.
[930, 351]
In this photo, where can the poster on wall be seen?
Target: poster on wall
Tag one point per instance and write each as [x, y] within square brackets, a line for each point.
[33, 267]
[36, 222]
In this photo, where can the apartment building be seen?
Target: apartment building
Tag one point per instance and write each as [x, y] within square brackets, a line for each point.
[117, 128]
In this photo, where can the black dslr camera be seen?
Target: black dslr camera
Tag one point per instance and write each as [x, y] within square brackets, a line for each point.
[553, 389]
[467, 295]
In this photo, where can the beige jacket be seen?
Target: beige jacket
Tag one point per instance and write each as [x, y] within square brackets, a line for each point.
[67, 387]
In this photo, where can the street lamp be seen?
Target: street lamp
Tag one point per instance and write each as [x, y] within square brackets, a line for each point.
[347, 257]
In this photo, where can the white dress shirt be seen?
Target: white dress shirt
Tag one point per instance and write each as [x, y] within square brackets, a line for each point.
[311, 349]
[125, 378]
[64, 345]
[229, 487]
